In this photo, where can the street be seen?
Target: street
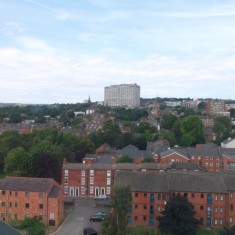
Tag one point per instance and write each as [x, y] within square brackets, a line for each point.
[79, 216]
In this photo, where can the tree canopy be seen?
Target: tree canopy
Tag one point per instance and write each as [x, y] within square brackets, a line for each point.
[178, 217]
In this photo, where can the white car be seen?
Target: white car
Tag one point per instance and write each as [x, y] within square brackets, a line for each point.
[101, 197]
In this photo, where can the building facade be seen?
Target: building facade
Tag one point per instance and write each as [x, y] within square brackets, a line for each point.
[25, 197]
[124, 95]
[91, 180]
[212, 196]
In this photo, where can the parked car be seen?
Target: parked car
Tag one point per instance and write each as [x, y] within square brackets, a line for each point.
[101, 213]
[97, 218]
[89, 231]
[101, 197]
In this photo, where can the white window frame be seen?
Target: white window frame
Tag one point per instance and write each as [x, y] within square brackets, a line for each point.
[91, 172]
[108, 190]
[83, 173]
[108, 173]
[83, 181]
[66, 172]
[108, 181]
[91, 180]
[91, 189]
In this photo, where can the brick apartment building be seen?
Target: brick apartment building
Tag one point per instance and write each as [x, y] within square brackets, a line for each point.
[211, 194]
[90, 180]
[25, 197]
[210, 156]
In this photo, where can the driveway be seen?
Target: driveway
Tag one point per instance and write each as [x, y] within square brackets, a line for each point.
[79, 216]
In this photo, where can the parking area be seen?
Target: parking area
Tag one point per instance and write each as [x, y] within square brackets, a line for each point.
[79, 216]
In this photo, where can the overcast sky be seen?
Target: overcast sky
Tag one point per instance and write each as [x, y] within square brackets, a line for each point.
[62, 51]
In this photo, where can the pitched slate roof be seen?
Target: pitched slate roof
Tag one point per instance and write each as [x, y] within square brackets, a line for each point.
[179, 182]
[185, 166]
[132, 151]
[143, 181]
[54, 193]
[6, 229]
[26, 184]
[104, 160]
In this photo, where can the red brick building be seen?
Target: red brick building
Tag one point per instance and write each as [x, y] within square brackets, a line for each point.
[212, 196]
[90, 180]
[209, 156]
[25, 197]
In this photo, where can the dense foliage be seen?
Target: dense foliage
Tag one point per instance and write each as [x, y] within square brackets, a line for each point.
[116, 223]
[178, 217]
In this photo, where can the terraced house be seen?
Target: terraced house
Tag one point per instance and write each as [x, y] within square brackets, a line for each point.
[211, 194]
[25, 197]
[90, 180]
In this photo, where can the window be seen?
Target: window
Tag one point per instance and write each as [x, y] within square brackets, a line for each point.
[66, 180]
[16, 205]
[144, 218]
[40, 206]
[108, 190]
[91, 172]
[66, 189]
[3, 193]
[27, 194]
[26, 205]
[202, 195]
[108, 173]
[91, 180]
[135, 217]
[163, 196]
[145, 207]
[16, 194]
[186, 195]
[41, 194]
[52, 215]
[151, 221]
[136, 194]
[40, 217]
[211, 164]
[145, 195]
[216, 197]
[108, 181]
[83, 189]
[216, 222]
[201, 208]
[159, 196]
[231, 195]
[3, 215]
[231, 219]
[231, 207]
[158, 208]
[66, 172]
[129, 220]
[221, 221]
[10, 193]
[26, 216]
[216, 209]
[221, 209]
[151, 198]
[3, 204]
[193, 195]
[136, 206]
[83, 181]
[83, 173]
[91, 189]
[221, 197]
[10, 204]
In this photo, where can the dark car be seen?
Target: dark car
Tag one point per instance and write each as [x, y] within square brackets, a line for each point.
[89, 231]
[101, 213]
[97, 218]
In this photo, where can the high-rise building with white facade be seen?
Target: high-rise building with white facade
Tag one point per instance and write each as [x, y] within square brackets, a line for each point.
[124, 95]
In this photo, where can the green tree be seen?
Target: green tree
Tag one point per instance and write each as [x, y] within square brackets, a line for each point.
[125, 159]
[111, 131]
[168, 121]
[17, 162]
[178, 217]
[120, 202]
[222, 128]
[192, 128]
[148, 159]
